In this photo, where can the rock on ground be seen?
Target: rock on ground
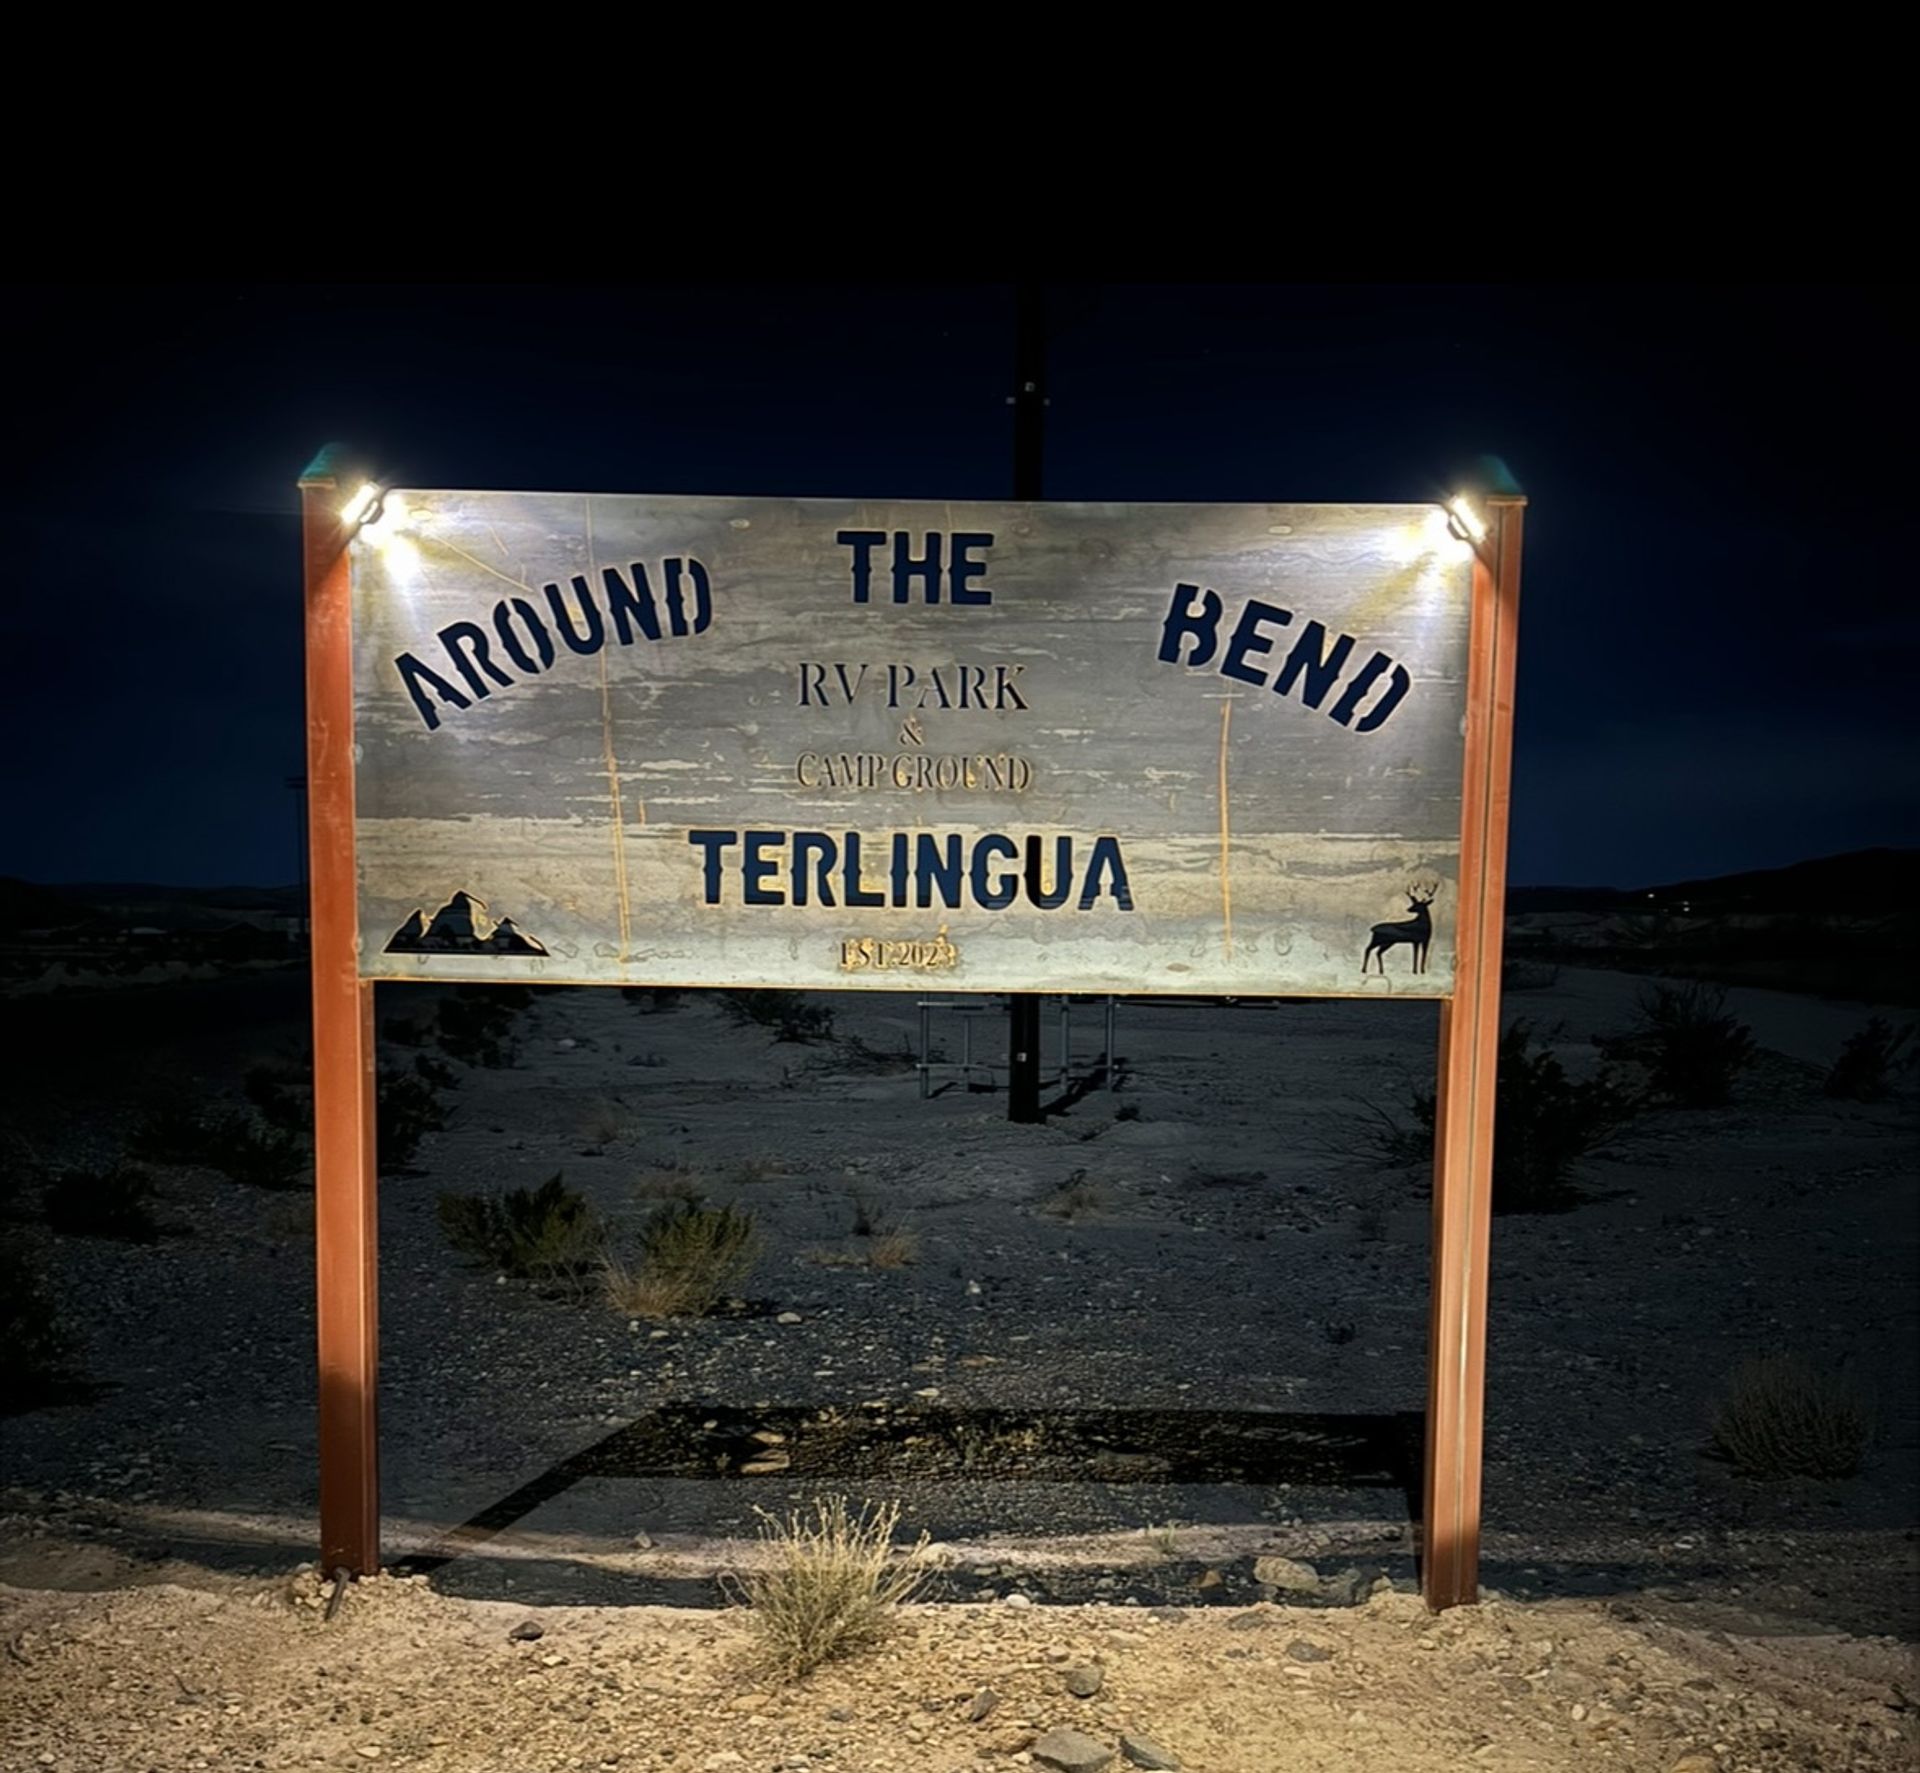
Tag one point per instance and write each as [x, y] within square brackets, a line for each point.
[1143, 1751]
[1071, 1751]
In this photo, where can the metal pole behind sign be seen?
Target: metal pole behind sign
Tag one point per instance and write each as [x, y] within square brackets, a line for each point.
[1464, 1113]
[1029, 444]
[344, 1165]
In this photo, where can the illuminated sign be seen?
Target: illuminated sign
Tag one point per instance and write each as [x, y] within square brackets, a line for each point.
[828, 743]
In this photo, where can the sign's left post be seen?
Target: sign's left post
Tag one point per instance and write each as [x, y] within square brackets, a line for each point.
[345, 1167]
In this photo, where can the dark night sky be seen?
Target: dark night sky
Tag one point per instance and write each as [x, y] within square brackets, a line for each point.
[1719, 634]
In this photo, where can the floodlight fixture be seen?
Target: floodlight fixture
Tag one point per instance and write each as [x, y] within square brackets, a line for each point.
[363, 508]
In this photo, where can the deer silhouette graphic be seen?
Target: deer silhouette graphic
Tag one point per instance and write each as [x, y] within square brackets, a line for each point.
[1415, 931]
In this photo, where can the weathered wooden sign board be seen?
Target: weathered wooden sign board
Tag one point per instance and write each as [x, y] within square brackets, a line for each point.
[835, 744]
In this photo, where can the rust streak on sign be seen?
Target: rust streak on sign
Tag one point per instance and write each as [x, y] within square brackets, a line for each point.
[619, 821]
[1226, 833]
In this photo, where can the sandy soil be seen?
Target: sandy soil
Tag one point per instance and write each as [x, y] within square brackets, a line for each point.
[249, 1675]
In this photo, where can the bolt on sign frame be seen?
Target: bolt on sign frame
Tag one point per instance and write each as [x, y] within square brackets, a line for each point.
[861, 674]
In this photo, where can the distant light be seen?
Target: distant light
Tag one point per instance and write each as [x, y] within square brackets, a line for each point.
[361, 506]
[1464, 520]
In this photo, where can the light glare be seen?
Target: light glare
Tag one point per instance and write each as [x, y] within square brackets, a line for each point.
[355, 511]
[1470, 526]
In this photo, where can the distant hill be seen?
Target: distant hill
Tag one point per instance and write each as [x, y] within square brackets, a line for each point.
[144, 904]
[141, 892]
[24, 906]
[1861, 882]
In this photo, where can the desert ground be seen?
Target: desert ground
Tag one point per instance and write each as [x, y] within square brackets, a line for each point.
[1115, 1366]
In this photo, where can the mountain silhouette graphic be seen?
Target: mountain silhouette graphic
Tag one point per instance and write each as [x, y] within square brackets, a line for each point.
[461, 926]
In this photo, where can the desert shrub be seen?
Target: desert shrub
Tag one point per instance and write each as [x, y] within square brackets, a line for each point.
[1075, 1198]
[1692, 1048]
[171, 1133]
[690, 1256]
[1545, 1123]
[603, 1123]
[229, 1140]
[476, 1024]
[787, 1013]
[1782, 1417]
[669, 1184]
[260, 1156]
[545, 1233]
[830, 1584]
[860, 1054]
[103, 1203]
[1865, 1070]
[405, 1112]
[39, 1364]
[896, 1248]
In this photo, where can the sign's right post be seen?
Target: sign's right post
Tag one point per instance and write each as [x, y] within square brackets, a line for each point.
[1469, 1062]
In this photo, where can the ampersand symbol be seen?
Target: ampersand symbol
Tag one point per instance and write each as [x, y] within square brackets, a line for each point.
[913, 733]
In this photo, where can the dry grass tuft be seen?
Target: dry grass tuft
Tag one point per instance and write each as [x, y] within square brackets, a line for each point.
[830, 1584]
[690, 1257]
[669, 1184]
[1076, 1198]
[898, 1248]
[605, 1123]
[1783, 1418]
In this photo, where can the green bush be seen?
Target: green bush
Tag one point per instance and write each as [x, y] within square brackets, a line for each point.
[545, 1233]
[691, 1256]
[229, 1140]
[1691, 1047]
[1545, 1123]
[1783, 1418]
[38, 1364]
[1865, 1070]
[103, 1203]
[788, 1013]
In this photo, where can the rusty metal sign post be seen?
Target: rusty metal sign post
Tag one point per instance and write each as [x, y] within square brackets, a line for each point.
[858, 745]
